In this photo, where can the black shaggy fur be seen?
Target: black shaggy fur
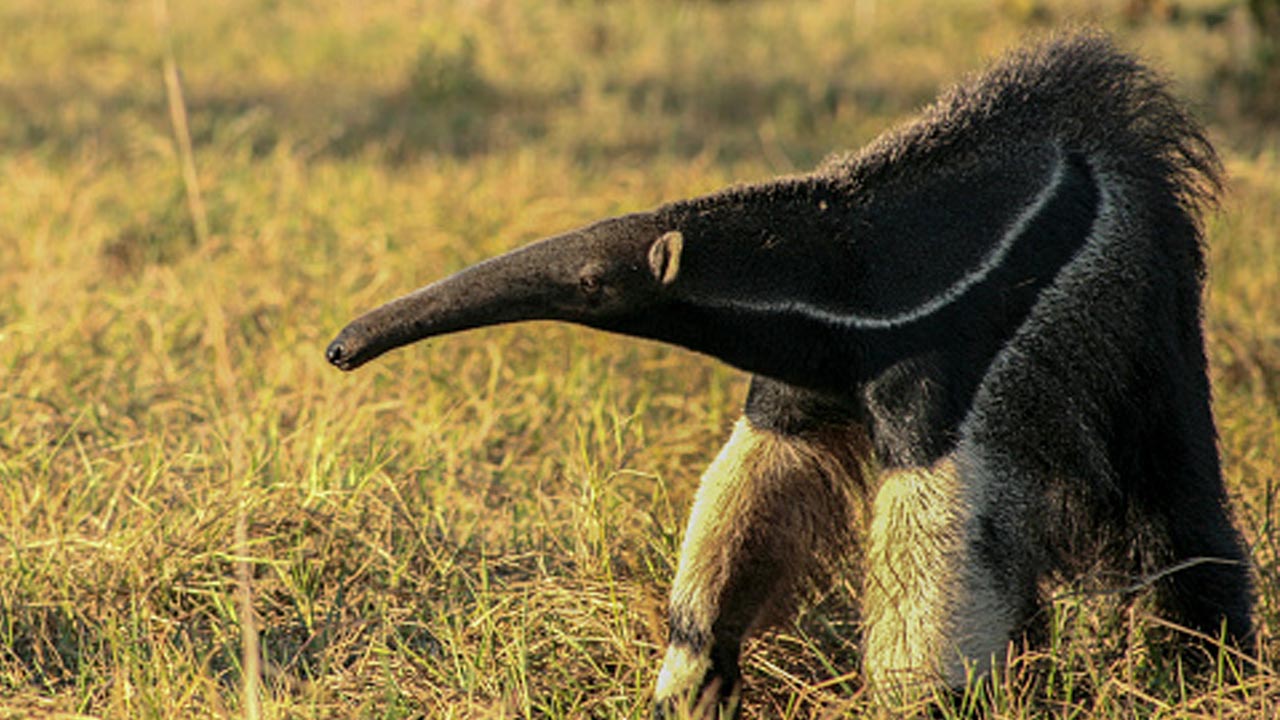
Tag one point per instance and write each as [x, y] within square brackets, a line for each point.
[1002, 297]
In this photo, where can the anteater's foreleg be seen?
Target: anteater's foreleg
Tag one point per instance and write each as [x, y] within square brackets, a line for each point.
[770, 507]
[949, 578]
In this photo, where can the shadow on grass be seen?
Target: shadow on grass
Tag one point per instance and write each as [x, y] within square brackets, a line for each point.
[445, 105]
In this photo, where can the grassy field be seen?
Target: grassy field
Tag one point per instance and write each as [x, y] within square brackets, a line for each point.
[484, 525]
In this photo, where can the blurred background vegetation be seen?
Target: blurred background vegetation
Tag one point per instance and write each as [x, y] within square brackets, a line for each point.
[483, 525]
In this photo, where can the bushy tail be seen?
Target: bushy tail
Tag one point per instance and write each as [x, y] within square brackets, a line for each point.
[1078, 90]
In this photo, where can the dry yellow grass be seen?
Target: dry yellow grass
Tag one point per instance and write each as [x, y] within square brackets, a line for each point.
[484, 525]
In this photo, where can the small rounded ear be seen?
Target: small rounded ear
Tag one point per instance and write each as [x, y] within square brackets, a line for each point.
[664, 257]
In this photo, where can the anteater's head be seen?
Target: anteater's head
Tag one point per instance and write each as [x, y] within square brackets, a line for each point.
[609, 275]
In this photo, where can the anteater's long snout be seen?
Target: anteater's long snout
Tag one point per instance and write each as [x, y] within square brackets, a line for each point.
[397, 323]
[581, 276]
[520, 285]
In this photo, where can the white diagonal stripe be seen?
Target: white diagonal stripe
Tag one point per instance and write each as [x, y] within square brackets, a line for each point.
[939, 301]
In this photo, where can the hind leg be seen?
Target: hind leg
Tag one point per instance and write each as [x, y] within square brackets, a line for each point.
[1213, 591]
[767, 507]
[1185, 494]
[1215, 594]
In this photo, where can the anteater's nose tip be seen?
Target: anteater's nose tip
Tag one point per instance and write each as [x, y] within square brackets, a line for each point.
[336, 353]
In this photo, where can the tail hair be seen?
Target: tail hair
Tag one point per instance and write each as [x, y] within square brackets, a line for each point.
[1078, 90]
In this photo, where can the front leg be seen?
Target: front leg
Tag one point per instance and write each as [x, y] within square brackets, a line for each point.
[949, 579]
[773, 503]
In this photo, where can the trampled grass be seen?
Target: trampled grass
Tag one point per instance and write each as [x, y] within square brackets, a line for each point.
[484, 525]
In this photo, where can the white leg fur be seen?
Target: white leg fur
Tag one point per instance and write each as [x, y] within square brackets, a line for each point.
[713, 544]
[933, 611]
[682, 672]
[769, 507]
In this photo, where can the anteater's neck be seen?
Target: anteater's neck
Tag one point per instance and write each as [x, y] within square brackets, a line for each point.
[831, 292]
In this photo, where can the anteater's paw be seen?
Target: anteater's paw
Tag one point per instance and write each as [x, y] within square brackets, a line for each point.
[691, 687]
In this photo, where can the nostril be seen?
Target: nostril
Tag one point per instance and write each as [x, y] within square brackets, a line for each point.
[335, 352]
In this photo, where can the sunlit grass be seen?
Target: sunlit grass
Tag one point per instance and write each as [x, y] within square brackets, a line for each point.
[482, 525]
